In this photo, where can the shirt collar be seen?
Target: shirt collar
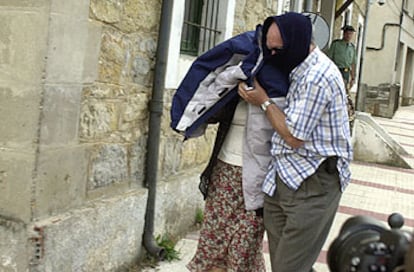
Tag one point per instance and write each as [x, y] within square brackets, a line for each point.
[310, 60]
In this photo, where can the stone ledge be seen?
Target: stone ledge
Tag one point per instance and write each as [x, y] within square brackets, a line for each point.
[373, 144]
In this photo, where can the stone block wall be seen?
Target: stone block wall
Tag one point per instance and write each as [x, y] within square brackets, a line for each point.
[22, 49]
[381, 100]
[75, 84]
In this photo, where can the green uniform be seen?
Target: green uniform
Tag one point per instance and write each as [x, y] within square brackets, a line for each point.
[344, 55]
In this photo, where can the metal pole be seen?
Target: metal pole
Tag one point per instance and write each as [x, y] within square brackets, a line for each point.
[361, 62]
[296, 5]
[308, 5]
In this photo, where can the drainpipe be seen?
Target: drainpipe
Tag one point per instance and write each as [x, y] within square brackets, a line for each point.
[399, 38]
[384, 28]
[156, 109]
[308, 5]
[296, 5]
[358, 106]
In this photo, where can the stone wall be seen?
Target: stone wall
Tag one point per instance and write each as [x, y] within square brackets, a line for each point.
[75, 83]
[250, 13]
[381, 100]
[23, 46]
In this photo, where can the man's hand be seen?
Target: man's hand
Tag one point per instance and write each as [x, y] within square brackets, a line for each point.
[351, 82]
[255, 96]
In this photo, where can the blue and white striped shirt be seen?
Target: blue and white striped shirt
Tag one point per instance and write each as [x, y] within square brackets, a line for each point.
[316, 113]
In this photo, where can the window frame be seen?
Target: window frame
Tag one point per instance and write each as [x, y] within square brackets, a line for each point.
[177, 63]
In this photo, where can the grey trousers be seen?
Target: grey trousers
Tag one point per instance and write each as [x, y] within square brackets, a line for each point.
[298, 222]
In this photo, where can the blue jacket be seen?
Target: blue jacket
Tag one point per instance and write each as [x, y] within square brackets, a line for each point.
[211, 81]
[208, 93]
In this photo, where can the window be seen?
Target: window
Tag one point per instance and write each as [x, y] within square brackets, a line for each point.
[186, 44]
[347, 16]
[283, 6]
[200, 27]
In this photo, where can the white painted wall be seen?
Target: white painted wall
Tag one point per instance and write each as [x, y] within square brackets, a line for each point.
[379, 65]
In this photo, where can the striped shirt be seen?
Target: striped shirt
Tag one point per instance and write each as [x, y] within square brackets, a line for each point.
[316, 113]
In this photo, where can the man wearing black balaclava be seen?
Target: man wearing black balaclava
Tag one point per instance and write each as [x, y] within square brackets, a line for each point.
[311, 146]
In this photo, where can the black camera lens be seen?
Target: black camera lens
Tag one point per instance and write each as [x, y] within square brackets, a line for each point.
[358, 235]
[365, 244]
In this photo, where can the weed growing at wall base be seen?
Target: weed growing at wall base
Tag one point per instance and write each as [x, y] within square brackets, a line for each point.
[165, 241]
[199, 216]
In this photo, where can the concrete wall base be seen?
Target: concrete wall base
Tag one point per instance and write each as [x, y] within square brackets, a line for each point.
[373, 144]
[103, 236]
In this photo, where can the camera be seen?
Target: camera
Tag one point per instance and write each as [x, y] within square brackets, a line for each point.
[381, 2]
[365, 244]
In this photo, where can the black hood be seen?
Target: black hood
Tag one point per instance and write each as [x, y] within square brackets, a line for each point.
[296, 32]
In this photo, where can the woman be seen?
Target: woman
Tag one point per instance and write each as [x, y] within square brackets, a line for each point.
[231, 237]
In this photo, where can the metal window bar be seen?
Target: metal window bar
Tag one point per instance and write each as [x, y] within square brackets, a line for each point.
[190, 31]
[200, 31]
[211, 22]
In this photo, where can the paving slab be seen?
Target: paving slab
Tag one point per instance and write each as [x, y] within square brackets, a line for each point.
[375, 190]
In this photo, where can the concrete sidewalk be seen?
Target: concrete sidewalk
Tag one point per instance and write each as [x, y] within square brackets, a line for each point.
[375, 190]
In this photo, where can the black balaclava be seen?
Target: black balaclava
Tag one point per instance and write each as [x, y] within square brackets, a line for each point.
[296, 32]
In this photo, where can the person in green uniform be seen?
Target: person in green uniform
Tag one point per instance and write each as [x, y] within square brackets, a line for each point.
[343, 54]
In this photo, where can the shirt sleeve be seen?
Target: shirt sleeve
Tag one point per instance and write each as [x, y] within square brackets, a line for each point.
[331, 51]
[306, 109]
[354, 61]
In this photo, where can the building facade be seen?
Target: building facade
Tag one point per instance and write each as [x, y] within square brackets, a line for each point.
[77, 81]
[384, 41]
[389, 48]
[86, 151]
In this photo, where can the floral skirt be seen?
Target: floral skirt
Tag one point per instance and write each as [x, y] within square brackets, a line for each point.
[231, 238]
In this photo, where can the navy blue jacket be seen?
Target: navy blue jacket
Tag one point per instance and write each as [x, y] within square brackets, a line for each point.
[211, 82]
